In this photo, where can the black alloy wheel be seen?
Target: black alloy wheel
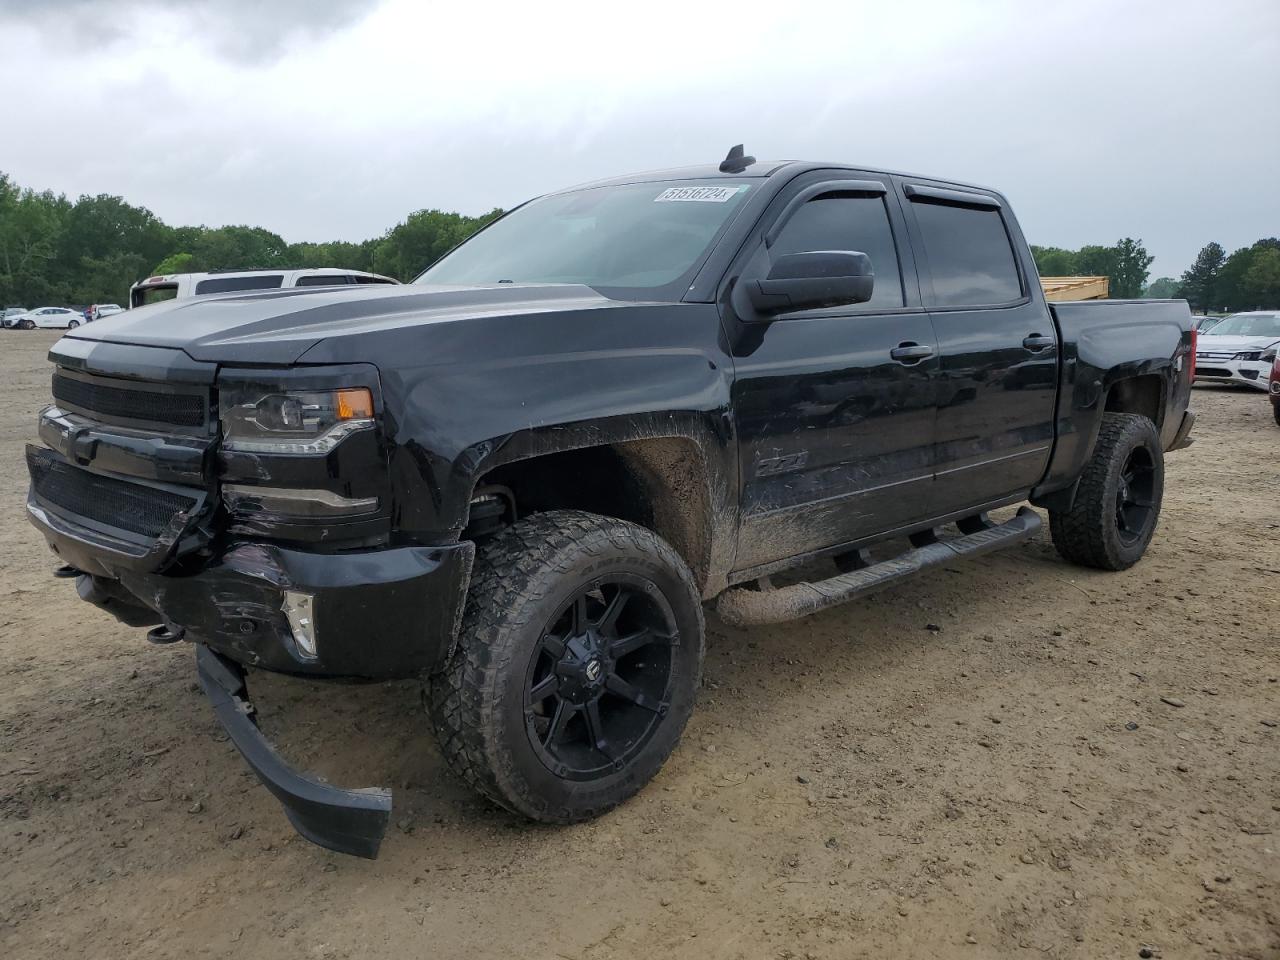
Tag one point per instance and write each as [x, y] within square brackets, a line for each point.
[576, 667]
[599, 681]
[1135, 496]
[1116, 505]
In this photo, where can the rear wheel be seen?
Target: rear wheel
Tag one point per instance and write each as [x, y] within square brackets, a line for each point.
[576, 666]
[1117, 502]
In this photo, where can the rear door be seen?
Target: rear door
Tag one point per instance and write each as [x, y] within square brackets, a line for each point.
[998, 375]
[834, 407]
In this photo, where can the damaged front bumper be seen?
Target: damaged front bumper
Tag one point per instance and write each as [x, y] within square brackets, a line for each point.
[348, 821]
[376, 614]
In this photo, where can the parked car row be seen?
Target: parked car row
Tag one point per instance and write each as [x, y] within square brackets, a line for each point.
[178, 286]
[61, 318]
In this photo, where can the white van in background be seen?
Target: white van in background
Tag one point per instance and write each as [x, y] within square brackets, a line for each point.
[176, 286]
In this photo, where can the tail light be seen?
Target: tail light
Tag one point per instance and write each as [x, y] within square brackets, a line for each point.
[1195, 337]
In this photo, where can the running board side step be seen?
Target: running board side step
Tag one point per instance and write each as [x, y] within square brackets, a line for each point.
[742, 607]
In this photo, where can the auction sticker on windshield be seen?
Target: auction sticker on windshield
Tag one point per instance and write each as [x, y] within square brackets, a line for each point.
[699, 194]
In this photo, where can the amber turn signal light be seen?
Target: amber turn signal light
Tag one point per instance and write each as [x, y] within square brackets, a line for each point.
[355, 403]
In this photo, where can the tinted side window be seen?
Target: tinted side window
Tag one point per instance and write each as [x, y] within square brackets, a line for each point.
[970, 257]
[229, 284]
[360, 279]
[848, 223]
[323, 280]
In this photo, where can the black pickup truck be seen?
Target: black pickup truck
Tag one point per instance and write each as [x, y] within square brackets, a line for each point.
[520, 478]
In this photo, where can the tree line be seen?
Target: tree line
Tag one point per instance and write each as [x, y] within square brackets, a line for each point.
[1248, 279]
[57, 251]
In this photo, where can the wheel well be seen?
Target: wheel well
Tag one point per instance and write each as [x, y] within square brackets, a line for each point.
[658, 483]
[1142, 395]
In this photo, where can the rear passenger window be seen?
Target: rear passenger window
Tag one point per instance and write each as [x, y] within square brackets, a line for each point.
[323, 280]
[230, 284]
[848, 222]
[970, 257]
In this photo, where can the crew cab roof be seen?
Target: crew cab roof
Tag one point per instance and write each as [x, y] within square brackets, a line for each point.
[758, 169]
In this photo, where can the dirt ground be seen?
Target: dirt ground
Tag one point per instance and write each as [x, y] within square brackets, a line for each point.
[1013, 757]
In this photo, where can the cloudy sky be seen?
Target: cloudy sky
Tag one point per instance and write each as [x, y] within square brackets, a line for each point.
[328, 119]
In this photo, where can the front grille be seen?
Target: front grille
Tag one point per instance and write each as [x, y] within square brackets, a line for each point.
[116, 503]
[180, 409]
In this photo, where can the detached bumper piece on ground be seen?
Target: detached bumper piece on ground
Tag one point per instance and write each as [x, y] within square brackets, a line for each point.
[348, 821]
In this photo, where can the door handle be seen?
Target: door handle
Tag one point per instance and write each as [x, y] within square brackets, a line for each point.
[1035, 343]
[911, 352]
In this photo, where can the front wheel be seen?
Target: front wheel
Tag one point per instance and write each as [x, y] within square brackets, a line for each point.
[576, 667]
[73, 324]
[26, 325]
[1117, 502]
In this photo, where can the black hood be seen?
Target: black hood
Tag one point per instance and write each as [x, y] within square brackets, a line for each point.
[279, 326]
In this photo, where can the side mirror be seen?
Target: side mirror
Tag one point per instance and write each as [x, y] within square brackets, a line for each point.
[818, 278]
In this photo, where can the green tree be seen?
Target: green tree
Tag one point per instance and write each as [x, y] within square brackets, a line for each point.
[1095, 260]
[236, 248]
[1132, 266]
[31, 224]
[1229, 289]
[411, 246]
[174, 263]
[1261, 282]
[1164, 288]
[1054, 261]
[1201, 280]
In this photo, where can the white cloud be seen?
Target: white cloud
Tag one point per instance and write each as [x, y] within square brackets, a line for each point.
[1156, 120]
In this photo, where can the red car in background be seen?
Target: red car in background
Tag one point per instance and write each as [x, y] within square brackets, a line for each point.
[1275, 388]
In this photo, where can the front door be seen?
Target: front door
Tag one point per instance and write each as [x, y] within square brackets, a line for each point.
[835, 407]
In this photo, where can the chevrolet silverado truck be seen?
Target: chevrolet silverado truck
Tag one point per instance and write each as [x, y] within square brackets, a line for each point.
[520, 478]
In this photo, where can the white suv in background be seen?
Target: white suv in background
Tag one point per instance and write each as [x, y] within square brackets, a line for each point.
[176, 286]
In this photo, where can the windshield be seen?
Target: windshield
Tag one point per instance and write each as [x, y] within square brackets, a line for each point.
[1247, 325]
[638, 236]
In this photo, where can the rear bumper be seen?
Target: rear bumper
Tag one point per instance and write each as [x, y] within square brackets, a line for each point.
[348, 821]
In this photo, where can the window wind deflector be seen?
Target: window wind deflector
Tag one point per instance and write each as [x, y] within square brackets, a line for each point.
[815, 190]
[959, 198]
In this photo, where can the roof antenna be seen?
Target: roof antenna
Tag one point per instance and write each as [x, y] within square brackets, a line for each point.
[735, 161]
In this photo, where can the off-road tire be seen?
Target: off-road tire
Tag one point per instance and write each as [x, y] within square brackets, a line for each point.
[476, 702]
[1089, 534]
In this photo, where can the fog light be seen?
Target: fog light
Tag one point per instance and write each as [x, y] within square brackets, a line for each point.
[300, 609]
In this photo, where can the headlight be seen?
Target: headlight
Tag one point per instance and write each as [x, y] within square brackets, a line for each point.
[289, 422]
[1250, 355]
